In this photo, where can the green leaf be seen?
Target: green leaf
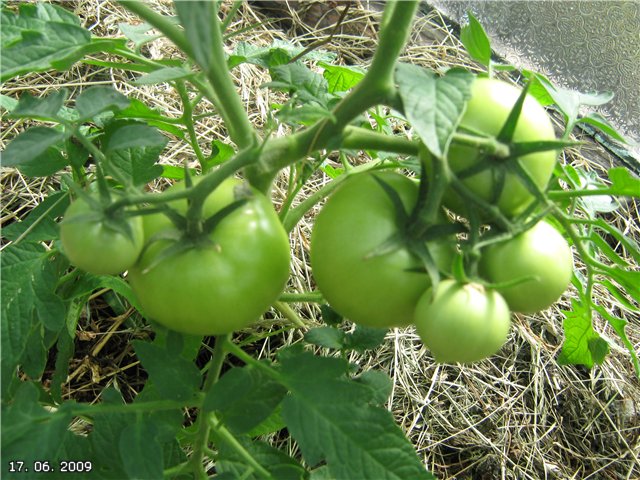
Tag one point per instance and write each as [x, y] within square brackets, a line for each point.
[244, 397]
[433, 105]
[132, 151]
[28, 146]
[624, 183]
[602, 124]
[328, 337]
[280, 465]
[333, 419]
[340, 78]
[163, 75]
[140, 451]
[582, 344]
[99, 99]
[46, 164]
[39, 225]
[44, 108]
[153, 118]
[197, 18]
[272, 424]
[330, 316]
[379, 383]
[299, 79]
[365, 338]
[136, 33]
[278, 53]
[620, 325]
[175, 377]
[220, 153]
[28, 281]
[40, 37]
[475, 41]
[31, 433]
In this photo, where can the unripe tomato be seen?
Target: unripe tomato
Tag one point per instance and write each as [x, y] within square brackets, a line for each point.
[540, 252]
[487, 111]
[96, 247]
[462, 323]
[358, 218]
[222, 284]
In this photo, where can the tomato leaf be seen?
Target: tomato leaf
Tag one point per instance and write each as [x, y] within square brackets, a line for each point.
[332, 419]
[243, 398]
[327, 337]
[582, 344]
[602, 124]
[40, 37]
[475, 40]
[175, 377]
[139, 449]
[433, 105]
[365, 338]
[197, 18]
[341, 78]
[44, 108]
[28, 283]
[29, 146]
[99, 99]
[39, 225]
[624, 182]
[163, 75]
[275, 461]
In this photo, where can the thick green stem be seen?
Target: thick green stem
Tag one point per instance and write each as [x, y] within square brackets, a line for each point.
[202, 438]
[357, 138]
[233, 111]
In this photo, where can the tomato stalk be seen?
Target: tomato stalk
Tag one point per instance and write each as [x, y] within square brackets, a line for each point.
[213, 374]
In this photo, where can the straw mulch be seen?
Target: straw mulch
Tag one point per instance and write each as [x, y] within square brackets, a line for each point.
[517, 415]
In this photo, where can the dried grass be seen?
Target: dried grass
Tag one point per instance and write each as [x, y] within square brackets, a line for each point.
[516, 415]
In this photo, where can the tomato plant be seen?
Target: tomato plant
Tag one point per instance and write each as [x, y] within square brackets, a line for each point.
[541, 253]
[221, 282]
[99, 244]
[216, 254]
[486, 113]
[462, 322]
[362, 282]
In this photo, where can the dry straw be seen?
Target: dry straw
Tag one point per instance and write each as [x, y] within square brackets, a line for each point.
[517, 415]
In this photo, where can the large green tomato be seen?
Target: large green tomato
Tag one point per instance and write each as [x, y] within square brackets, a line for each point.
[487, 111]
[373, 290]
[540, 252]
[462, 323]
[220, 285]
[93, 245]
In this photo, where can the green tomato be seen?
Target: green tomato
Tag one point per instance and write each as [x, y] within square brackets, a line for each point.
[95, 245]
[462, 323]
[540, 252]
[219, 285]
[373, 290]
[487, 111]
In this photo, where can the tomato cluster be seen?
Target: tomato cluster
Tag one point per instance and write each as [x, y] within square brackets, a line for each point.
[211, 285]
[369, 270]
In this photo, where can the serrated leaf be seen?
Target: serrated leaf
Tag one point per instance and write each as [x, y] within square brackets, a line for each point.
[280, 465]
[29, 432]
[299, 79]
[220, 153]
[132, 151]
[365, 338]
[174, 377]
[99, 99]
[39, 225]
[272, 424]
[330, 316]
[243, 398]
[43, 108]
[340, 78]
[580, 337]
[137, 33]
[140, 451]
[328, 337]
[29, 145]
[433, 105]
[332, 419]
[39, 37]
[475, 41]
[27, 284]
[379, 383]
[163, 75]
